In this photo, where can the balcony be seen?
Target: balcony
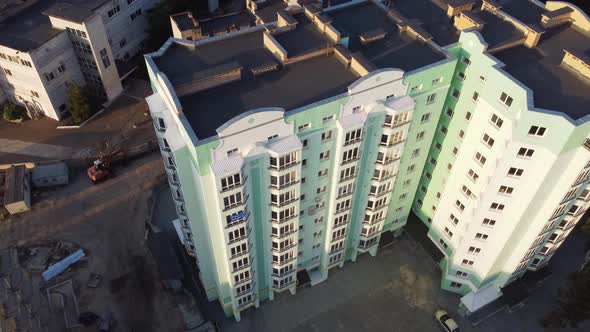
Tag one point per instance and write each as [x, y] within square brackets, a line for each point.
[396, 124]
[238, 204]
[348, 161]
[285, 261]
[283, 220]
[284, 186]
[344, 209]
[242, 253]
[241, 238]
[235, 185]
[344, 195]
[340, 237]
[376, 221]
[284, 235]
[243, 281]
[284, 286]
[377, 208]
[370, 234]
[367, 245]
[353, 141]
[248, 291]
[284, 203]
[284, 167]
[239, 220]
[242, 267]
[336, 250]
[291, 246]
[387, 161]
[350, 177]
[381, 193]
[284, 273]
[245, 304]
[392, 143]
[340, 224]
[384, 178]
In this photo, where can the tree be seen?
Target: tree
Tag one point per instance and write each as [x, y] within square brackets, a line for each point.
[77, 102]
[573, 302]
[12, 112]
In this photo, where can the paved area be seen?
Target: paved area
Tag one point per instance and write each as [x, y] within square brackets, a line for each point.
[39, 140]
[108, 221]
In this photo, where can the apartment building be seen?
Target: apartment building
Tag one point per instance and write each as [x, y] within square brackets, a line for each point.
[297, 145]
[44, 44]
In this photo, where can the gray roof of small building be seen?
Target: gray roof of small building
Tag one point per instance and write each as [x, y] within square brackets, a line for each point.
[268, 10]
[497, 31]
[304, 38]
[555, 86]
[224, 23]
[14, 180]
[74, 10]
[29, 29]
[523, 10]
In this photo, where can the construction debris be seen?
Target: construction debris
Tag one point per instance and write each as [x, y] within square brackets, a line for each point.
[60, 266]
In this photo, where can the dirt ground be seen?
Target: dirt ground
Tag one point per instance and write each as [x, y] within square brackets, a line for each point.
[108, 222]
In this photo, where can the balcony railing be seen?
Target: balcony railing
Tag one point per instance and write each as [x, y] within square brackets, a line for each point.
[284, 167]
[243, 281]
[287, 202]
[388, 161]
[380, 193]
[370, 234]
[286, 185]
[340, 237]
[376, 221]
[247, 303]
[377, 208]
[336, 250]
[396, 124]
[284, 286]
[235, 185]
[284, 273]
[392, 143]
[285, 234]
[247, 291]
[350, 177]
[285, 261]
[241, 238]
[291, 246]
[344, 209]
[348, 161]
[237, 204]
[284, 220]
[242, 253]
[353, 141]
[242, 267]
[344, 195]
[368, 245]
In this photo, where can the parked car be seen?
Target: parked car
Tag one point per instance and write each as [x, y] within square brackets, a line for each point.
[446, 322]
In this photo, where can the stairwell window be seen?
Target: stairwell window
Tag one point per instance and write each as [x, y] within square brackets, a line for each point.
[113, 11]
[505, 190]
[454, 219]
[456, 93]
[481, 236]
[488, 140]
[474, 250]
[537, 131]
[475, 96]
[480, 158]
[497, 207]
[460, 205]
[304, 127]
[431, 98]
[496, 121]
[517, 172]
[488, 222]
[461, 76]
[506, 99]
[105, 57]
[526, 153]
[425, 118]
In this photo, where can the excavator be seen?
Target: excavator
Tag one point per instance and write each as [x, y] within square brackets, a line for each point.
[101, 168]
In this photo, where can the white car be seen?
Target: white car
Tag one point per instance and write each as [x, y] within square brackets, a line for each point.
[446, 322]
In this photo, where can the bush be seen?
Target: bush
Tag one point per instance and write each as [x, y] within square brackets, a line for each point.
[12, 112]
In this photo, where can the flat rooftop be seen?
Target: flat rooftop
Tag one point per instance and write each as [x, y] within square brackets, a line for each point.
[223, 23]
[29, 29]
[555, 86]
[304, 38]
[267, 11]
[523, 10]
[396, 50]
[432, 17]
[74, 10]
[292, 86]
[497, 31]
[181, 61]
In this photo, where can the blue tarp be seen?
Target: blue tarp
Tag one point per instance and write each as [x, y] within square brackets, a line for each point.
[60, 266]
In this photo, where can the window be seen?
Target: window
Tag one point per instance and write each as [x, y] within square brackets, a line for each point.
[481, 236]
[449, 112]
[49, 77]
[466, 191]
[425, 118]
[7, 72]
[415, 153]
[26, 63]
[232, 201]
[437, 80]
[304, 127]
[488, 140]
[474, 250]
[431, 98]
[461, 75]
[438, 146]
[461, 274]
[456, 93]
[327, 135]
[460, 205]
[456, 284]
[122, 43]
[448, 232]
[480, 158]
[443, 130]
[113, 11]
[353, 136]
[506, 99]
[454, 219]
[270, 138]
[496, 121]
[135, 14]
[472, 175]
[356, 109]
[505, 190]
[323, 172]
[461, 134]
[420, 136]
[475, 96]
[328, 118]
[515, 171]
[497, 206]
[442, 243]
[389, 97]
[524, 152]
[105, 57]
[416, 88]
[467, 262]
[537, 131]
[433, 161]
[34, 94]
[324, 155]
[482, 78]
[410, 168]
[468, 116]
[304, 143]
[466, 60]
[350, 155]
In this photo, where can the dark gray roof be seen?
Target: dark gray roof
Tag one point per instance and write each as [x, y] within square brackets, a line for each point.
[303, 39]
[396, 50]
[183, 21]
[292, 86]
[246, 49]
[558, 12]
[224, 23]
[74, 10]
[29, 29]
[432, 18]
[496, 31]
[523, 10]
[555, 87]
[268, 10]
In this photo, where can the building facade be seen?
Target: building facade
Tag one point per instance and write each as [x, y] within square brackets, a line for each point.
[44, 45]
[303, 159]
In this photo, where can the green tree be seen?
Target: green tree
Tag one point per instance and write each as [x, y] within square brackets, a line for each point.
[12, 112]
[77, 102]
[573, 302]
